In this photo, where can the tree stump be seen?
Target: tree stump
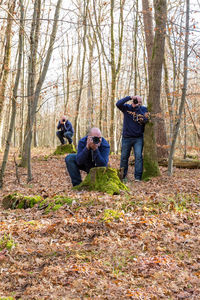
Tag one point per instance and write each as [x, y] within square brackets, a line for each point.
[102, 179]
[64, 149]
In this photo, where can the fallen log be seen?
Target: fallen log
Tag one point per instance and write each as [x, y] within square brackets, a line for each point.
[181, 163]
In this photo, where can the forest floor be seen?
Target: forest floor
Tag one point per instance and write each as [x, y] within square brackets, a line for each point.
[142, 244]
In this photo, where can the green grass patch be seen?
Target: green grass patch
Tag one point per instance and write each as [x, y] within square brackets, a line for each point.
[7, 242]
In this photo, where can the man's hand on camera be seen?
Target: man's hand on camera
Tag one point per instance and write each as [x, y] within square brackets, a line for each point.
[91, 145]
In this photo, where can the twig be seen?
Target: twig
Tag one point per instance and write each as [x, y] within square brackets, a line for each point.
[16, 169]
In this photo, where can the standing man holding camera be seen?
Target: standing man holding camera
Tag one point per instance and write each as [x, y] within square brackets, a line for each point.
[135, 118]
[65, 130]
[93, 151]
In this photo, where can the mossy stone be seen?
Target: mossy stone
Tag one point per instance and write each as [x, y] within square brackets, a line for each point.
[64, 149]
[17, 200]
[102, 179]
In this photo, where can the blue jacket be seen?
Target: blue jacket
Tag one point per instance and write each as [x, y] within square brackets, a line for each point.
[131, 126]
[65, 127]
[88, 159]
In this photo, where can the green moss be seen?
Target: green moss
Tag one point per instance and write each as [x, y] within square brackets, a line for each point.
[6, 242]
[17, 200]
[55, 203]
[151, 168]
[102, 179]
[63, 200]
[64, 149]
[56, 207]
[110, 215]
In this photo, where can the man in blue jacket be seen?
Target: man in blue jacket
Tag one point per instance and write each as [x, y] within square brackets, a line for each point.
[135, 118]
[65, 130]
[93, 151]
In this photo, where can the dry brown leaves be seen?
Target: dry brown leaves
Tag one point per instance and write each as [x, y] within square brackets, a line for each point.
[150, 252]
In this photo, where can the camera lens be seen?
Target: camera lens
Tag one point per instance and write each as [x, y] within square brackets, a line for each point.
[135, 101]
[95, 139]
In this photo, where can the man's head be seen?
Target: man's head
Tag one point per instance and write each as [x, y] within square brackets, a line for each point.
[95, 134]
[64, 118]
[137, 101]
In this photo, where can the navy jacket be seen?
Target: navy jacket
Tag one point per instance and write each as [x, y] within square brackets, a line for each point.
[88, 159]
[65, 127]
[131, 126]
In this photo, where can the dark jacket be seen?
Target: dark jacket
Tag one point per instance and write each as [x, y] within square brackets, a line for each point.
[131, 126]
[88, 159]
[65, 127]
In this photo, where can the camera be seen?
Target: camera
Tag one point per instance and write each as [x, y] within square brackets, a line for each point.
[96, 140]
[63, 120]
[135, 101]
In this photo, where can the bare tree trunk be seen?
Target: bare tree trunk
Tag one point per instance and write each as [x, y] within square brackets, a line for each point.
[150, 151]
[86, 2]
[159, 124]
[34, 36]
[90, 96]
[6, 62]
[14, 97]
[183, 96]
[136, 52]
[148, 29]
[26, 156]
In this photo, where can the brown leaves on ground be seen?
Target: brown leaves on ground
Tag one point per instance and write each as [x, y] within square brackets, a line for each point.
[138, 245]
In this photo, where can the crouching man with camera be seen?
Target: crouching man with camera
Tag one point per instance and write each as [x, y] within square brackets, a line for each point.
[93, 151]
[135, 118]
[65, 130]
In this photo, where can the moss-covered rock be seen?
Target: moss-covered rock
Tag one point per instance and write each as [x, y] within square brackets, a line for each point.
[17, 200]
[64, 149]
[102, 179]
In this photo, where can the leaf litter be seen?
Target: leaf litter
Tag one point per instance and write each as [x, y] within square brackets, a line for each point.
[142, 244]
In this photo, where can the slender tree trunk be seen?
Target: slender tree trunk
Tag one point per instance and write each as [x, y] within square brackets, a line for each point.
[6, 62]
[86, 2]
[183, 96]
[136, 52]
[26, 155]
[90, 96]
[14, 97]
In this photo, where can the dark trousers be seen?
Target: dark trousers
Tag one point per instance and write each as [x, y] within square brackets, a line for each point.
[67, 134]
[137, 145]
[74, 169]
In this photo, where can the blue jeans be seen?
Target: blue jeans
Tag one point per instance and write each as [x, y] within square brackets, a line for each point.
[137, 145]
[67, 134]
[73, 169]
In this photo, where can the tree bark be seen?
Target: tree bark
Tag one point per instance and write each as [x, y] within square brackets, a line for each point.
[14, 97]
[153, 44]
[150, 150]
[7, 55]
[26, 155]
